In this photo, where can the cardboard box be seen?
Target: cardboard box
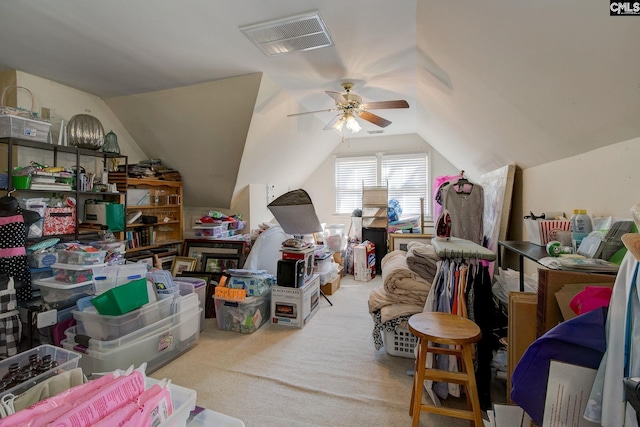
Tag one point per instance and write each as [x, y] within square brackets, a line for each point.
[364, 261]
[550, 282]
[295, 306]
[333, 285]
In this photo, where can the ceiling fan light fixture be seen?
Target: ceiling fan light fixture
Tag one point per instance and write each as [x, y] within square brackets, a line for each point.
[352, 124]
[338, 125]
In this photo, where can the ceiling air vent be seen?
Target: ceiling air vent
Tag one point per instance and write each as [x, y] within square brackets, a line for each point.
[296, 33]
[375, 132]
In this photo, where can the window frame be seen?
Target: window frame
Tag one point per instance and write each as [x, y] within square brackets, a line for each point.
[378, 176]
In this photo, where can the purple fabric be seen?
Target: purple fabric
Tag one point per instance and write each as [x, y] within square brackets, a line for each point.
[579, 341]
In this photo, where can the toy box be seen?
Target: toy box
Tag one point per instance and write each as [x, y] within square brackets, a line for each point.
[295, 306]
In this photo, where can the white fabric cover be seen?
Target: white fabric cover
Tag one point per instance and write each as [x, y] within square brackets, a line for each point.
[265, 251]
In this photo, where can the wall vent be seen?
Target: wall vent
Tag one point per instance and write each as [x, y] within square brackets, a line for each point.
[293, 34]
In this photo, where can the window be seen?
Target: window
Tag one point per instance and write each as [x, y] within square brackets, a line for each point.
[405, 174]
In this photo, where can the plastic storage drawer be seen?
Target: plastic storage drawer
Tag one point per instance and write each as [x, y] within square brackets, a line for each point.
[65, 359]
[243, 316]
[156, 349]
[97, 326]
[81, 257]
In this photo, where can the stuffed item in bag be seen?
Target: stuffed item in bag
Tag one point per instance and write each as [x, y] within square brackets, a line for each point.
[590, 298]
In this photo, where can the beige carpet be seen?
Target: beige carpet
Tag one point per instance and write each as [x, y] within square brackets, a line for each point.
[325, 374]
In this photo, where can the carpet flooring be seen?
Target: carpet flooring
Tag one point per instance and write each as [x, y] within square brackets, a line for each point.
[325, 374]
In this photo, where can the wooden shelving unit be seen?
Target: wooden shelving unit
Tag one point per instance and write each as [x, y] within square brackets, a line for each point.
[164, 201]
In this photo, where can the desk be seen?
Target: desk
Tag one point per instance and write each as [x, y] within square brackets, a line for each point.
[524, 250]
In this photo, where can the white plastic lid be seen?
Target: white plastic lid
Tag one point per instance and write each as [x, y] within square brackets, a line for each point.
[50, 282]
[76, 267]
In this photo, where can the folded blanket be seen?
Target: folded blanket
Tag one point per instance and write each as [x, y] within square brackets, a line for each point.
[395, 311]
[422, 260]
[379, 298]
[398, 279]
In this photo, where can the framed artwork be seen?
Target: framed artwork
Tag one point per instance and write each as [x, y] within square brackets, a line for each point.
[213, 263]
[399, 241]
[181, 264]
[197, 248]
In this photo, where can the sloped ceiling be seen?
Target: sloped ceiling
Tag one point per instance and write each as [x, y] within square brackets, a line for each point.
[489, 83]
[199, 130]
[525, 82]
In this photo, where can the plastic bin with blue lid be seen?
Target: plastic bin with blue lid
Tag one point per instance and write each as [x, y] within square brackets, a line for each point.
[110, 276]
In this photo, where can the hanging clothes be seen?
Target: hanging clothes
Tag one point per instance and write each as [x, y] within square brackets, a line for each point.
[13, 257]
[606, 405]
[463, 287]
[10, 324]
[466, 208]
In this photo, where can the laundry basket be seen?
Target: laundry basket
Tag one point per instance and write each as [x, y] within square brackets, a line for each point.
[400, 342]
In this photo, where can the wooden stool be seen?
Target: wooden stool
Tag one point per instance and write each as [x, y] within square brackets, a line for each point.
[445, 328]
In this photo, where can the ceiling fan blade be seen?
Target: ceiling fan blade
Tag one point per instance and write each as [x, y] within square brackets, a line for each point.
[400, 103]
[376, 120]
[333, 121]
[337, 96]
[312, 112]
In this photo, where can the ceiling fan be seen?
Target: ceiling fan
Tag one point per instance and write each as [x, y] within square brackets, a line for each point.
[350, 106]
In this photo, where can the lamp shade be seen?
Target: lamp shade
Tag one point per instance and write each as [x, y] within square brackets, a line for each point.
[295, 213]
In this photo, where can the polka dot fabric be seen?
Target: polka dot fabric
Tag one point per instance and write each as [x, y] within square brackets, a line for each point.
[13, 235]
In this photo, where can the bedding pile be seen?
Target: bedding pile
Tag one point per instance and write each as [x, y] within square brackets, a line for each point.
[403, 292]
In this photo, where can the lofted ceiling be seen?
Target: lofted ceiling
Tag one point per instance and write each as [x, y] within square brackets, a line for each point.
[488, 83]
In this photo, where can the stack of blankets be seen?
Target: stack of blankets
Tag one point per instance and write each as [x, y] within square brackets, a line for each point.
[407, 278]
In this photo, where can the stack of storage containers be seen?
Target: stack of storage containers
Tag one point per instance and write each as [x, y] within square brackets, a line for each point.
[248, 315]
[72, 277]
[155, 333]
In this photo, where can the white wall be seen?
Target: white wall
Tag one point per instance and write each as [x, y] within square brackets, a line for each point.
[65, 102]
[320, 184]
[603, 181]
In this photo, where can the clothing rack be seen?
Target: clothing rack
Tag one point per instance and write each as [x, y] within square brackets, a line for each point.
[453, 247]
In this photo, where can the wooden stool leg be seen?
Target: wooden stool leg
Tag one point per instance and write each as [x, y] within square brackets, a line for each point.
[472, 389]
[418, 382]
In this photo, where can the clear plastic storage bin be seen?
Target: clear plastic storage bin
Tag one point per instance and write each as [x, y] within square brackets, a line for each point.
[42, 260]
[156, 349]
[62, 294]
[72, 335]
[70, 273]
[110, 276]
[65, 361]
[243, 316]
[81, 257]
[97, 326]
